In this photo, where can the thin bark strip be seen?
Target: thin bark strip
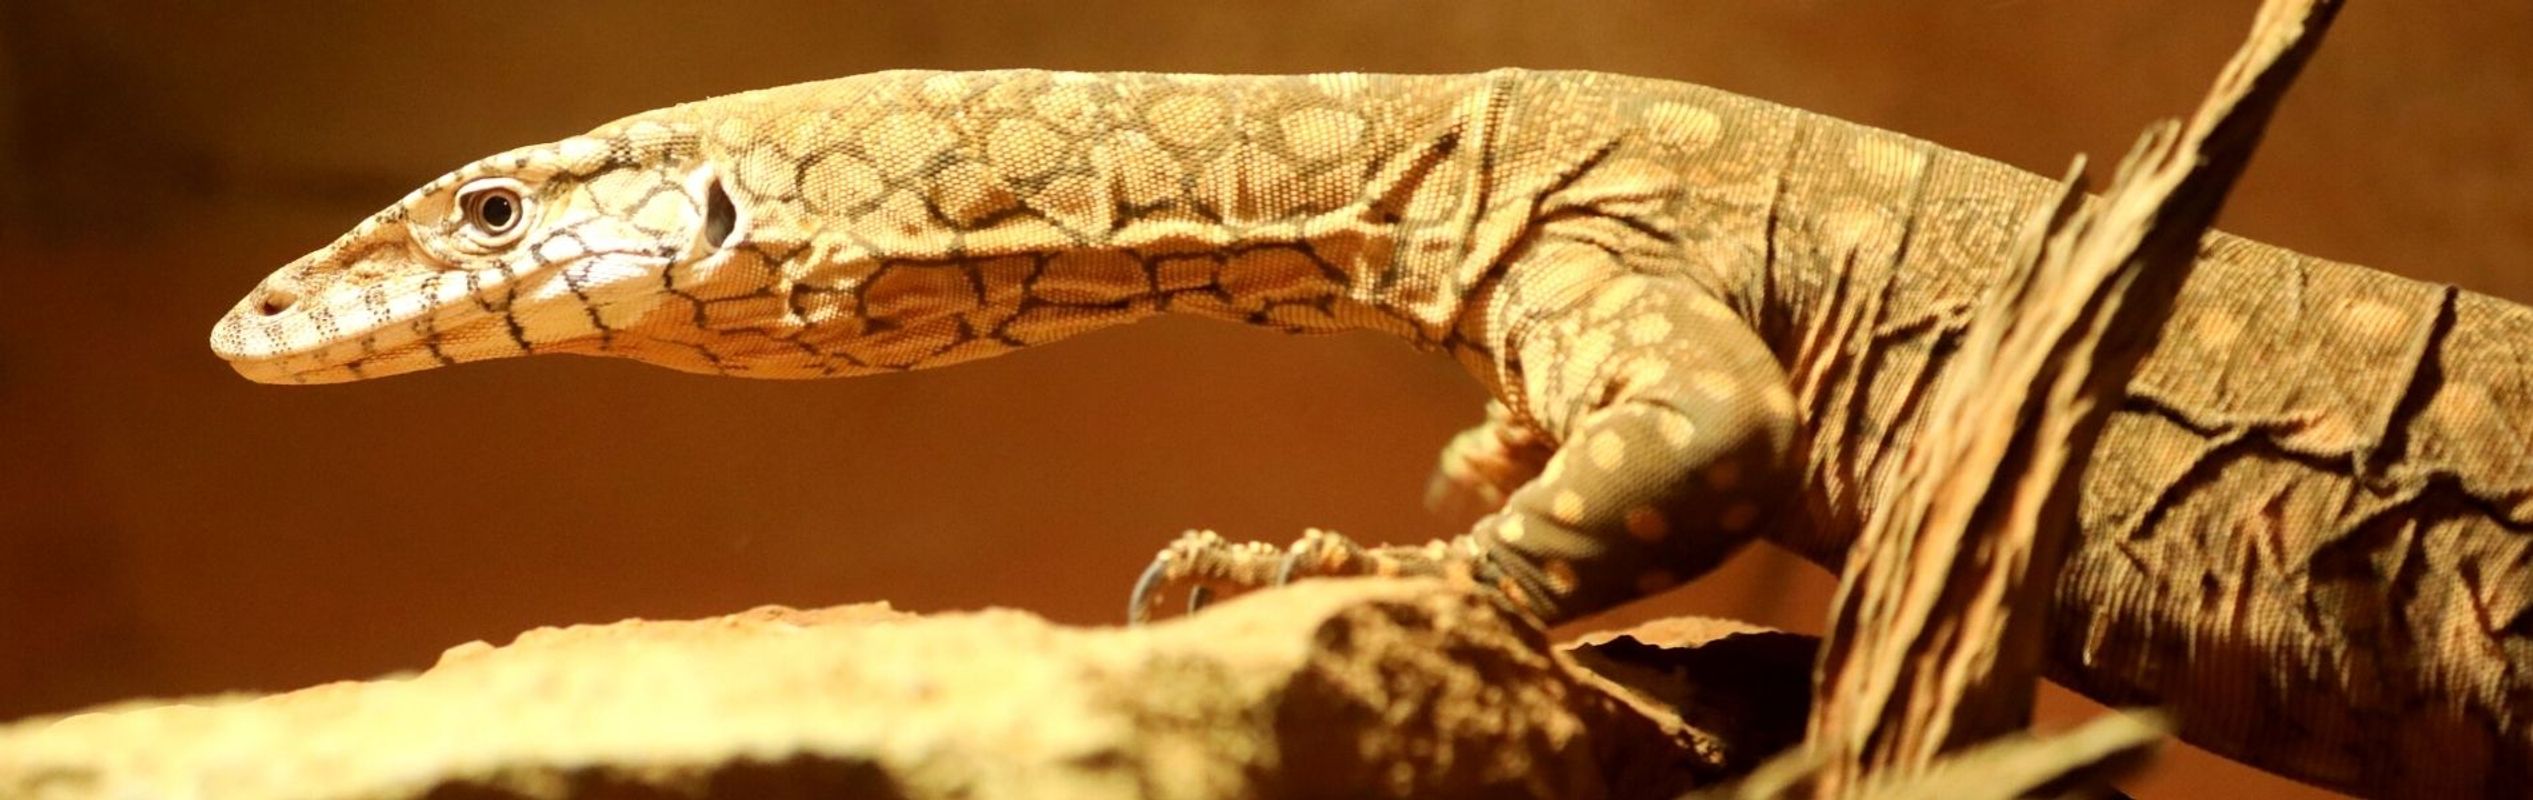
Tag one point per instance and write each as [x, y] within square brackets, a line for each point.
[1936, 635]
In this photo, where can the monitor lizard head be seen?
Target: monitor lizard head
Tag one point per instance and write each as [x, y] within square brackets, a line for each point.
[873, 223]
[554, 248]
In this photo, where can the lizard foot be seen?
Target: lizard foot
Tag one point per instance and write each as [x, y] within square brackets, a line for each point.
[1207, 565]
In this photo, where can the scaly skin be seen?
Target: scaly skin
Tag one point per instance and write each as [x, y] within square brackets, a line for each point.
[2306, 528]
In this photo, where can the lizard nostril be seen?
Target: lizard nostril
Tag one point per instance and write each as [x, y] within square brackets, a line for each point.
[277, 300]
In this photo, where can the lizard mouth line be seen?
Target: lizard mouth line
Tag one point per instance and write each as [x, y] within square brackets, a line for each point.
[433, 319]
[320, 342]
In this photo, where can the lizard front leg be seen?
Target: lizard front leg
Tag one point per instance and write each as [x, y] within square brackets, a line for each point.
[1672, 429]
[1484, 465]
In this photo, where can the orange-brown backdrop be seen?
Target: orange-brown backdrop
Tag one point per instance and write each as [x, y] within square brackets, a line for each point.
[168, 528]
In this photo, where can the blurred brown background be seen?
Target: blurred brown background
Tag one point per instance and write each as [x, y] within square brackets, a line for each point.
[168, 528]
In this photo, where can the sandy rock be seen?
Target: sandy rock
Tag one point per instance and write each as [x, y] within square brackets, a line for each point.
[1359, 688]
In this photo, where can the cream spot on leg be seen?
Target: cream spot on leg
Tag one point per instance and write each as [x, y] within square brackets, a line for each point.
[1712, 309]
[1615, 296]
[1647, 523]
[1560, 575]
[1608, 450]
[1511, 529]
[1647, 371]
[1568, 506]
[1738, 517]
[1648, 328]
[1590, 352]
[1779, 401]
[1715, 384]
[1676, 429]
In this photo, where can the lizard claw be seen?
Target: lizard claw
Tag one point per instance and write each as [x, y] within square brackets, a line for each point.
[1210, 566]
[1139, 604]
[1319, 552]
[1205, 563]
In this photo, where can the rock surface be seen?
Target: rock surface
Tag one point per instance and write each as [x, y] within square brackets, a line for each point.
[1359, 688]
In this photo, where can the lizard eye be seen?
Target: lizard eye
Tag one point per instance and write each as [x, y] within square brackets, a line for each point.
[494, 210]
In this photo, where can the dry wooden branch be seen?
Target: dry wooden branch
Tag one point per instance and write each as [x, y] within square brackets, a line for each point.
[1935, 640]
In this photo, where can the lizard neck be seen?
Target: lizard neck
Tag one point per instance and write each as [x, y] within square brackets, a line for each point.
[913, 312]
[909, 220]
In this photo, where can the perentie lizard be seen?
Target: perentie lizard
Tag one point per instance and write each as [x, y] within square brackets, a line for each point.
[1704, 318]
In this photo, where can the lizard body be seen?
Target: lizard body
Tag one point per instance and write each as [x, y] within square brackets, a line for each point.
[1704, 318]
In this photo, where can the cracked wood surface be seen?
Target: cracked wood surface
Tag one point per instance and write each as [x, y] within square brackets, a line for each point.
[1937, 638]
[2306, 527]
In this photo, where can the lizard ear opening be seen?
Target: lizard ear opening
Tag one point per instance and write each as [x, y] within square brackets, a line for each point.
[721, 216]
